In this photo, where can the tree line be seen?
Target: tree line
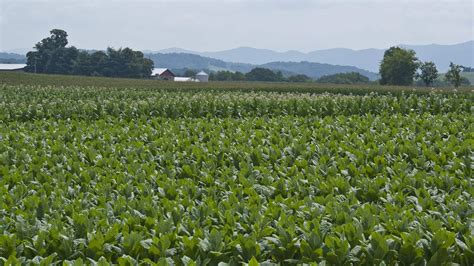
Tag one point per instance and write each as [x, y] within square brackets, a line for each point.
[53, 57]
[264, 74]
[400, 67]
[256, 74]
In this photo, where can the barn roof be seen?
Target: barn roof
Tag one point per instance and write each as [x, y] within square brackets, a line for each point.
[183, 79]
[11, 66]
[158, 71]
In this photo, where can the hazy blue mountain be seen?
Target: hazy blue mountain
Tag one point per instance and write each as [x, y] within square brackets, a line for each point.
[247, 55]
[245, 58]
[368, 59]
[192, 61]
[442, 55]
[20, 51]
[316, 70]
[255, 56]
[171, 50]
[11, 58]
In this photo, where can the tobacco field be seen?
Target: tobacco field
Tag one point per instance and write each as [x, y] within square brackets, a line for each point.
[143, 176]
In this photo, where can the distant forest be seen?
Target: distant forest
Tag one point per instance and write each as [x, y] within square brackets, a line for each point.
[264, 74]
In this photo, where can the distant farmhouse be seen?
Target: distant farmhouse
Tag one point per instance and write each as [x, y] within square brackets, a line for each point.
[166, 74]
[163, 74]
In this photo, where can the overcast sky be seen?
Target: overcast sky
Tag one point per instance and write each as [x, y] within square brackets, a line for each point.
[218, 25]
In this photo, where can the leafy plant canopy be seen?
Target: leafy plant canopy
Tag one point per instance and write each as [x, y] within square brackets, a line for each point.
[92, 175]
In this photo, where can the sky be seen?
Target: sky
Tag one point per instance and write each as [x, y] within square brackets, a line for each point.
[202, 25]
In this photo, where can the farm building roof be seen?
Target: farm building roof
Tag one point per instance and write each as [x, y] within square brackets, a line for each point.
[11, 66]
[183, 79]
[158, 71]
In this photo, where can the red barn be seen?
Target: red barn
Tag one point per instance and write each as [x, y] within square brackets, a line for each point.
[162, 73]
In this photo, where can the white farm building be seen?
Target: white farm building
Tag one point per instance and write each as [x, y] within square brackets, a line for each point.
[183, 79]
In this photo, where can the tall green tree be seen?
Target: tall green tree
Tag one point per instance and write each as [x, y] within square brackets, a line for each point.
[58, 39]
[453, 75]
[52, 55]
[398, 67]
[429, 73]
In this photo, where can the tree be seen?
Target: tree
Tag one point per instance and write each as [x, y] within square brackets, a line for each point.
[398, 66]
[113, 63]
[51, 55]
[238, 76]
[263, 74]
[61, 60]
[82, 64]
[223, 76]
[453, 75]
[429, 73]
[98, 61]
[58, 39]
[227, 76]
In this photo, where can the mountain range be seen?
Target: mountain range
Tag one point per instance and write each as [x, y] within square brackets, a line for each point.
[368, 59]
[179, 61]
[313, 64]
[12, 58]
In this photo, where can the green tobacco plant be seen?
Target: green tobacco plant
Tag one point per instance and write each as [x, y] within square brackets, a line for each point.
[93, 175]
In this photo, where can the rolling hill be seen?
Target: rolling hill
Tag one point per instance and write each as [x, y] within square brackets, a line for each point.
[192, 61]
[368, 59]
[12, 58]
[316, 70]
